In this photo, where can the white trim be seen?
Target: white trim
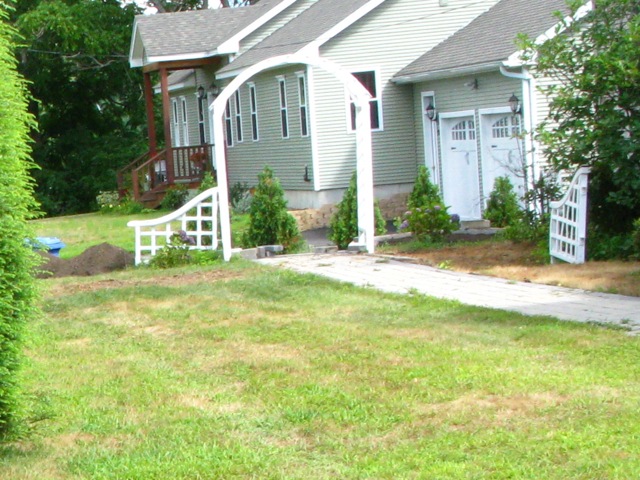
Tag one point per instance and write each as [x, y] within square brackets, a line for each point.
[232, 45]
[175, 123]
[228, 124]
[253, 113]
[460, 113]
[185, 121]
[430, 126]
[313, 128]
[303, 103]
[237, 116]
[283, 107]
[377, 98]
[446, 73]
[493, 110]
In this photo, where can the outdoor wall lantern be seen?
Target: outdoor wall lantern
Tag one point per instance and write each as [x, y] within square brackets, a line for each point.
[431, 112]
[200, 92]
[514, 103]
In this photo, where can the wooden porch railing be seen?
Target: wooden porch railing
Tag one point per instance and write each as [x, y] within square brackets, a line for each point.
[178, 165]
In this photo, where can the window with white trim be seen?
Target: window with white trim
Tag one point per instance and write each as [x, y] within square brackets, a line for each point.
[238, 116]
[369, 80]
[507, 127]
[253, 106]
[284, 114]
[464, 130]
[201, 116]
[302, 104]
[175, 122]
[228, 125]
[185, 123]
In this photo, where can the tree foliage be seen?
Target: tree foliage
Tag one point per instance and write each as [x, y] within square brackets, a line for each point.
[595, 110]
[165, 6]
[87, 101]
[16, 206]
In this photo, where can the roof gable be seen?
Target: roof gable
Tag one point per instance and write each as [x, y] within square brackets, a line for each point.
[197, 33]
[488, 40]
[317, 24]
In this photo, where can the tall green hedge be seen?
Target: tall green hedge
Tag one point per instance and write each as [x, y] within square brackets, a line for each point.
[16, 207]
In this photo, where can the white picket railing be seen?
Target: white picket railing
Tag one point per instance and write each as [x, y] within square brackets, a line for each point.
[568, 229]
[198, 218]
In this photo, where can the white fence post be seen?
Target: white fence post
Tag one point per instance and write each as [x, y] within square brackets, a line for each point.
[568, 228]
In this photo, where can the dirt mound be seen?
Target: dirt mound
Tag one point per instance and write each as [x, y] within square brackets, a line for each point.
[95, 260]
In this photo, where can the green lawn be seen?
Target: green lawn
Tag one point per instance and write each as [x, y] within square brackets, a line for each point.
[240, 371]
[80, 232]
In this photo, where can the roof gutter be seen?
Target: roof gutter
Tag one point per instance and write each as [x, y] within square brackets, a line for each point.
[446, 73]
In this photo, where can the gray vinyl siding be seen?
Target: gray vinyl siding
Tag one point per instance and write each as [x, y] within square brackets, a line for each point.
[388, 38]
[286, 156]
[452, 95]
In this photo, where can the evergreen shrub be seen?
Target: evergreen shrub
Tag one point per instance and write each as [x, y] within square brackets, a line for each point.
[502, 207]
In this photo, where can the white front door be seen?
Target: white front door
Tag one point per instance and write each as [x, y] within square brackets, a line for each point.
[460, 180]
[501, 151]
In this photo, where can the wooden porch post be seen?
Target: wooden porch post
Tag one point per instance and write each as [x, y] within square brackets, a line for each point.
[166, 117]
[151, 124]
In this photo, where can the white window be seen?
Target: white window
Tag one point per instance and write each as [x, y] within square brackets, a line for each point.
[302, 103]
[253, 105]
[228, 125]
[185, 124]
[175, 122]
[201, 116]
[506, 127]
[284, 114]
[464, 130]
[238, 116]
[369, 80]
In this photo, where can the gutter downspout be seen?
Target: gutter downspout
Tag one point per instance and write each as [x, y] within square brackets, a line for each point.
[529, 117]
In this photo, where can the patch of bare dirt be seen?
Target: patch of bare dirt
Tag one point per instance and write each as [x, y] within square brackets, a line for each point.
[103, 258]
[518, 261]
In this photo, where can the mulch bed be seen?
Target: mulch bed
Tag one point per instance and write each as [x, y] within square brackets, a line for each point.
[103, 258]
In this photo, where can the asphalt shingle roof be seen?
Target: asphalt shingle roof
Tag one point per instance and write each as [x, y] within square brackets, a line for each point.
[196, 31]
[299, 32]
[489, 38]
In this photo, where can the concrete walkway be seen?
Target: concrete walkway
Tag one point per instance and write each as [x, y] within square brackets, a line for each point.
[527, 298]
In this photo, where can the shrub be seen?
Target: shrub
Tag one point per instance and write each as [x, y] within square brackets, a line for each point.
[635, 236]
[17, 288]
[343, 226]
[240, 197]
[207, 182]
[174, 197]
[502, 207]
[175, 253]
[269, 221]
[108, 201]
[427, 217]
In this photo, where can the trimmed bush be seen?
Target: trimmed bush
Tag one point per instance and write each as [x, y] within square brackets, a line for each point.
[269, 221]
[17, 205]
[502, 207]
[427, 217]
[343, 226]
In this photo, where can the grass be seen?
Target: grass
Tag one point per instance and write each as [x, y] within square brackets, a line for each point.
[80, 232]
[240, 371]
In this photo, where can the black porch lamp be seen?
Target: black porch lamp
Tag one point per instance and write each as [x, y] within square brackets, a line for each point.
[431, 112]
[514, 103]
[200, 92]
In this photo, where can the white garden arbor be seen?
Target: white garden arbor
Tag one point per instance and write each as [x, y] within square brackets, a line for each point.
[364, 164]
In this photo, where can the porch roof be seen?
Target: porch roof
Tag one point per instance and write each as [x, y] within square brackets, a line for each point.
[194, 34]
[314, 26]
[487, 41]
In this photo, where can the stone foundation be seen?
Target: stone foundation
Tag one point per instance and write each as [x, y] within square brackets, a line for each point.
[311, 218]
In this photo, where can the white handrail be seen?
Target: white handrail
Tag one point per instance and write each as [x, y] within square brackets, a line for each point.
[202, 225]
[568, 228]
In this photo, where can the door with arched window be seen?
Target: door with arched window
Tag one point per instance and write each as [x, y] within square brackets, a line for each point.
[460, 180]
[501, 151]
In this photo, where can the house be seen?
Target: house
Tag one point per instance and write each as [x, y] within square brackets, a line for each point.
[299, 119]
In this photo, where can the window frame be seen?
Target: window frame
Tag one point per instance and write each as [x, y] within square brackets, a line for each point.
[202, 128]
[375, 100]
[185, 121]
[253, 109]
[175, 122]
[303, 103]
[228, 125]
[284, 110]
[237, 109]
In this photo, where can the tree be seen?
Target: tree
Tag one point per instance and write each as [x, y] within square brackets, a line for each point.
[595, 108]
[87, 101]
[16, 206]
